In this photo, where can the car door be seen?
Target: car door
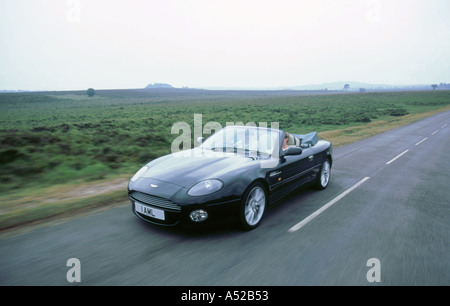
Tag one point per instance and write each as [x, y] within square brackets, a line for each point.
[292, 172]
[297, 169]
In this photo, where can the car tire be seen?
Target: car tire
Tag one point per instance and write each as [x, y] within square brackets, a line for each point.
[253, 206]
[323, 179]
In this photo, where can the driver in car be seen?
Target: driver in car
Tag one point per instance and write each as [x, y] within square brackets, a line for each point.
[285, 141]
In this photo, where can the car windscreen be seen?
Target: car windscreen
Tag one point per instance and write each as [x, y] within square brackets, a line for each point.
[246, 139]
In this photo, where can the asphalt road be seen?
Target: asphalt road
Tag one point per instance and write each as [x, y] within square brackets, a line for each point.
[389, 199]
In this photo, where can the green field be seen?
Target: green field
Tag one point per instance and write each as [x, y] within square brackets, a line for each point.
[52, 139]
[57, 137]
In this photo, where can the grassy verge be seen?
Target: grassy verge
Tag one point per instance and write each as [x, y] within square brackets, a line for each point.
[34, 205]
[37, 205]
[44, 212]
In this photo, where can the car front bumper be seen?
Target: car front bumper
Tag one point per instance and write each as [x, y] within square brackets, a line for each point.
[164, 212]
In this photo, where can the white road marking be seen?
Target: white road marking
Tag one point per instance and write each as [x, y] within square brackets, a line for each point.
[421, 141]
[397, 157]
[339, 197]
[444, 126]
[326, 206]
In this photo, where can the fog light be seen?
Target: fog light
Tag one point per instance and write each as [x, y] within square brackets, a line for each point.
[198, 215]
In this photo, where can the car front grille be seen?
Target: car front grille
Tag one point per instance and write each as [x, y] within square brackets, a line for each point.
[155, 201]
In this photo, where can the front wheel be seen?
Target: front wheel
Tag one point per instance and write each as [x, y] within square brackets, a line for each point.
[324, 176]
[253, 206]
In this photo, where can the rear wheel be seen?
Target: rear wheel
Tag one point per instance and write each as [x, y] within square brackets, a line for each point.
[253, 206]
[324, 176]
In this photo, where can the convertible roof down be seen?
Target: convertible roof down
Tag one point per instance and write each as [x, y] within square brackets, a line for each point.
[307, 140]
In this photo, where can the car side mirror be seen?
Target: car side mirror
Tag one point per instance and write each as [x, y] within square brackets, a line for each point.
[292, 151]
[200, 140]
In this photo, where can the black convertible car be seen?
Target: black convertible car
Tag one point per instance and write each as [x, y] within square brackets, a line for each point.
[239, 170]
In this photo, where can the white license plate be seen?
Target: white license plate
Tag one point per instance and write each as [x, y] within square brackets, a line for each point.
[149, 211]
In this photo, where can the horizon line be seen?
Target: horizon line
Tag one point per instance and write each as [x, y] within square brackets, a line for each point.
[313, 87]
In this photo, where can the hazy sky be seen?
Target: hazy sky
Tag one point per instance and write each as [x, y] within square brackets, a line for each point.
[76, 44]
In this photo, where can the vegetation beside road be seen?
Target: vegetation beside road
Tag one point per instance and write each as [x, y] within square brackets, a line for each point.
[54, 142]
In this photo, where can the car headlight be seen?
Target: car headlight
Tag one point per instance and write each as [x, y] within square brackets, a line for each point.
[139, 173]
[205, 187]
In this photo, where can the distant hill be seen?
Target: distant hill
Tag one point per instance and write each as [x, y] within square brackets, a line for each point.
[353, 86]
[7, 91]
[159, 85]
[356, 86]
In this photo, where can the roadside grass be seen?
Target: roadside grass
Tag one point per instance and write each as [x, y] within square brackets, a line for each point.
[25, 216]
[35, 205]
[64, 154]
